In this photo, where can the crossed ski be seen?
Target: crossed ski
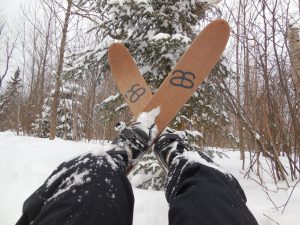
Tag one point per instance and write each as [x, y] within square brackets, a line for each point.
[182, 81]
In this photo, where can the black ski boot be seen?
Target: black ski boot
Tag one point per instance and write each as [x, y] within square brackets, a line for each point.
[168, 146]
[172, 144]
[132, 142]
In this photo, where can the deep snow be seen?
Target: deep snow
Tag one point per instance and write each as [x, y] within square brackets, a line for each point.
[25, 162]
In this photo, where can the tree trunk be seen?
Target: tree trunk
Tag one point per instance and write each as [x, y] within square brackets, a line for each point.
[238, 83]
[42, 84]
[294, 44]
[55, 101]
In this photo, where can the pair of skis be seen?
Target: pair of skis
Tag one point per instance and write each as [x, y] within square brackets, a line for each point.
[180, 84]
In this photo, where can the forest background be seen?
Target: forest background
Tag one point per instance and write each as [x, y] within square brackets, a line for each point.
[55, 79]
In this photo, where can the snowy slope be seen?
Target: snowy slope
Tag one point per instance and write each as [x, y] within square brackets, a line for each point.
[25, 162]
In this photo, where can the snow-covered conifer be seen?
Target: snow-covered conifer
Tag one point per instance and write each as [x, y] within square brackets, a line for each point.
[69, 121]
[9, 102]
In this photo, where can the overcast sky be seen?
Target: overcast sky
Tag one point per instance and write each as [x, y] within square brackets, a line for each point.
[9, 8]
[10, 11]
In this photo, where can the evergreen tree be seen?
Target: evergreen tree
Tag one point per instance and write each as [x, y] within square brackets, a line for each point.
[69, 122]
[9, 103]
[157, 33]
[147, 174]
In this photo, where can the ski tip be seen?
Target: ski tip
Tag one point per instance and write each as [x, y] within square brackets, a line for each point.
[220, 21]
[116, 47]
[220, 27]
[222, 24]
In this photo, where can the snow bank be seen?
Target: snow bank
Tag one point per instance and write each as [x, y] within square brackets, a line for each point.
[25, 162]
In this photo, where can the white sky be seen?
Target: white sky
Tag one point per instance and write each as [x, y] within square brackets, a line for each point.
[10, 11]
[10, 8]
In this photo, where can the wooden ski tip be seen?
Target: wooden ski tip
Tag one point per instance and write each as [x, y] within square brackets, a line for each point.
[221, 24]
[115, 47]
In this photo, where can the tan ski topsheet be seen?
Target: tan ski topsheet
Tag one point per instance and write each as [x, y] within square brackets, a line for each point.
[191, 70]
[128, 78]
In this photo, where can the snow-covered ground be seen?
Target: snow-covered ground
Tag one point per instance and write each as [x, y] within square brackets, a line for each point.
[25, 162]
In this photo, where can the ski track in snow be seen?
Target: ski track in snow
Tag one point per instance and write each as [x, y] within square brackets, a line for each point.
[26, 162]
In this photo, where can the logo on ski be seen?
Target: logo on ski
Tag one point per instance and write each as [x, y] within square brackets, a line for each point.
[135, 93]
[183, 79]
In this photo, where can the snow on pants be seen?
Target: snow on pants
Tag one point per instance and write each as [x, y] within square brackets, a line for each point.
[94, 190]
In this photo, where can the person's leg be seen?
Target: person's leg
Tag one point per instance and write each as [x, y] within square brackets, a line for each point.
[198, 191]
[90, 189]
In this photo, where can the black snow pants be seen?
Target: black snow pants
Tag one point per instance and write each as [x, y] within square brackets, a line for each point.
[94, 190]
